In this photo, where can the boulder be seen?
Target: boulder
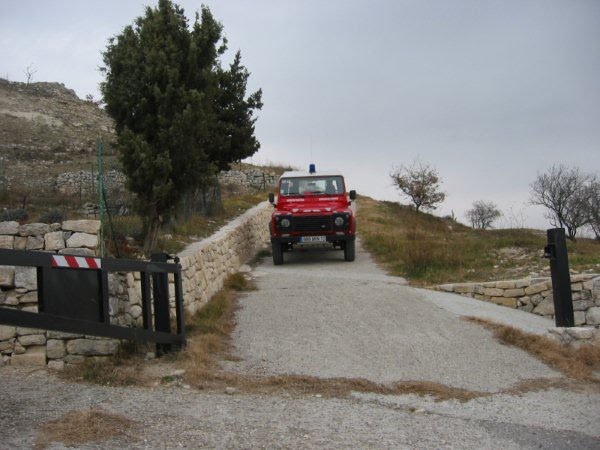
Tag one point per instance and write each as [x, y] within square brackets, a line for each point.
[545, 307]
[7, 332]
[35, 243]
[55, 349]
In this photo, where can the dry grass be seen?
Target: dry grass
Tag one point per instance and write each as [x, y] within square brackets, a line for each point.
[578, 363]
[432, 250]
[82, 427]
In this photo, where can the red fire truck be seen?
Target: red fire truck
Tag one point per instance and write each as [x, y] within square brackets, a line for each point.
[312, 209]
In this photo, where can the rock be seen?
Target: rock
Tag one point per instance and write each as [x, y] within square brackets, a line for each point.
[7, 242]
[136, 311]
[9, 227]
[545, 307]
[82, 240]
[30, 297]
[89, 347]
[32, 339]
[22, 331]
[35, 243]
[34, 229]
[535, 289]
[230, 390]
[592, 316]
[504, 301]
[464, 288]
[579, 317]
[54, 240]
[56, 365]
[33, 357]
[582, 305]
[20, 243]
[7, 276]
[493, 292]
[26, 278]
[82, 226]
[55, 349]
[508, 284]
[580, 332]
[517, 292]
[446, 287]
[7, 332]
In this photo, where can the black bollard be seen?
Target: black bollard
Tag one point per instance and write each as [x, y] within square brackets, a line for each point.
[556, 252]
[160, 288]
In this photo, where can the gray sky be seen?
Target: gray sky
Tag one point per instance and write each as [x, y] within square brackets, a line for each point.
[488, 92]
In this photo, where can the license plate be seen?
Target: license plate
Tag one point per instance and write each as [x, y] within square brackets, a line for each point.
[312, 239]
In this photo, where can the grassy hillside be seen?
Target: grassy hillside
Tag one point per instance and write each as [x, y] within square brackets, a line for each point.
[431, 250]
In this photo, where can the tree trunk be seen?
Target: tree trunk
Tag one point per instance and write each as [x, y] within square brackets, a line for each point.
[151, 238]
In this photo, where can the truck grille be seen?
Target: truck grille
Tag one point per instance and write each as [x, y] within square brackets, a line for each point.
[311, 223]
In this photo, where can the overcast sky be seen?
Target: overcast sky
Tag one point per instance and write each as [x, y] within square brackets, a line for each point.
[488, 92]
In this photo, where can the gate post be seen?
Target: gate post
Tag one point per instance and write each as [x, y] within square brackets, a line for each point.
[160, 291]
[556, 252]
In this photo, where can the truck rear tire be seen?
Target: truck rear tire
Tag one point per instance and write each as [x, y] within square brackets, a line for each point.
[349, 251]
[277, 254]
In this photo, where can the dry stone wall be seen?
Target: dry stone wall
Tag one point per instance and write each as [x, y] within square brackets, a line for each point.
[207, 263]
[18, 290]
[205, 266]
[534, 295]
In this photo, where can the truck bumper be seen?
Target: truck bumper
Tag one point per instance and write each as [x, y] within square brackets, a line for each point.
[334, 238]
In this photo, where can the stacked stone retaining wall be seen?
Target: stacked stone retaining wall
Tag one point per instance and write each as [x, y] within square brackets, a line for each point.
[207, 263]
[534, 295]
[18, 290]
[205, 266]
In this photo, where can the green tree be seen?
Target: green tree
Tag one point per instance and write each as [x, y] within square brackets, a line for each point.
[164, 88]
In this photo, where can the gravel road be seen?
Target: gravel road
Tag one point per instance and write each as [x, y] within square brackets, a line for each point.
[318, 315]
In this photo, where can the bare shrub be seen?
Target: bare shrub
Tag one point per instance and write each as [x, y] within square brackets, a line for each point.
[483, 214]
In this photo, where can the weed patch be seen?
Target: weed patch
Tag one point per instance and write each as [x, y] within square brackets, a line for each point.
[433, 250]
[576, 363]
[81, 427]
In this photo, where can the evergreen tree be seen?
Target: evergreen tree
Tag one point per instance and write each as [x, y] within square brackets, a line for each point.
[178, 114]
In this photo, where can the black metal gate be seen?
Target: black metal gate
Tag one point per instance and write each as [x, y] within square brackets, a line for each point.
[72, 296]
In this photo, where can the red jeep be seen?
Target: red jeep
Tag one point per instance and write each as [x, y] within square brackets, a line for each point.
[312, 209]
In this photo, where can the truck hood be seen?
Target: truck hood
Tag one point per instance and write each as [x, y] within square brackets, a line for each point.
[314, 204]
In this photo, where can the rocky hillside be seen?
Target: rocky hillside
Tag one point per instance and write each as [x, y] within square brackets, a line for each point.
[45, 129]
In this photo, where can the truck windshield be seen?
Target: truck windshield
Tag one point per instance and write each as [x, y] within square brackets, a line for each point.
[329, 185]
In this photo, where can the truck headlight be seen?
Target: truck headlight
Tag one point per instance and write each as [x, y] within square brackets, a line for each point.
[285, 223]
[339, 221]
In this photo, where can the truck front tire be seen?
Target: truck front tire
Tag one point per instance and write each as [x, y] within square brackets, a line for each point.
[349, 250]
[277, 249]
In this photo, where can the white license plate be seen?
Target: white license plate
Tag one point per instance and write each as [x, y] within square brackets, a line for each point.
[312, 239]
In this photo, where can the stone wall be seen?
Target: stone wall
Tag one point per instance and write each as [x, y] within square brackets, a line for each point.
[205, 266]
[207, 263]
[535, 295]
[18, 290]
[248, 179]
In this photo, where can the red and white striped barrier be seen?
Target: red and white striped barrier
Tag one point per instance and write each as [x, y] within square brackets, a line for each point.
[76, 262]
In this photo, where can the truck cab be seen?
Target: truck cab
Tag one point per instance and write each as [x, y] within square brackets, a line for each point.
[312, 209]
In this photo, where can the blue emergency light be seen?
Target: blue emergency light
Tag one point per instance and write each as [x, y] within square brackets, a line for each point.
[311, 168]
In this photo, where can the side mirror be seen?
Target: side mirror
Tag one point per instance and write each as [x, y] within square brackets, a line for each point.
[352, 194]
[271, 198]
